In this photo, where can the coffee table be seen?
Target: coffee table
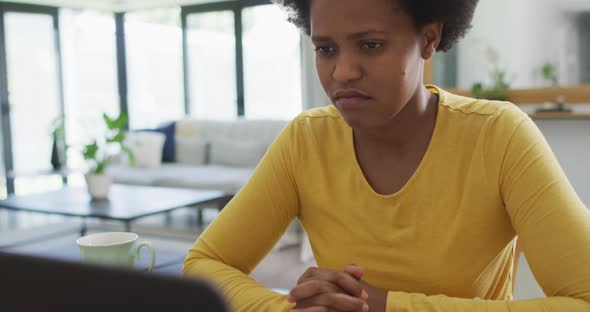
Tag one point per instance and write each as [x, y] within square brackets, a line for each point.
[126, 203]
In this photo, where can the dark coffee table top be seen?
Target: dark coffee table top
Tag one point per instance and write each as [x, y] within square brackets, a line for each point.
[125, 202]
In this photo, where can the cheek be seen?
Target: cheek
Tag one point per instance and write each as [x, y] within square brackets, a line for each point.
[413, 65]
[405, 69]
[403, 74]
[324, 72]
[390, 74]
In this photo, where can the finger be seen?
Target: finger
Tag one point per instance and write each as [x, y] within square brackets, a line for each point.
[343, 280]
[336, 301]
[310, 272]
[355, 271]
[313, 288]
[348, 283]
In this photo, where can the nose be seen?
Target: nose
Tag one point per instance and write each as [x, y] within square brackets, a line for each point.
[346, 69]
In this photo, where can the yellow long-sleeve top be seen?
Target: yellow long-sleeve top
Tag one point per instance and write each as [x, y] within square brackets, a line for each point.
[444, 242]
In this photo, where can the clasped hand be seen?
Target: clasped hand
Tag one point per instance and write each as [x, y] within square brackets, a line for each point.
[322, 290]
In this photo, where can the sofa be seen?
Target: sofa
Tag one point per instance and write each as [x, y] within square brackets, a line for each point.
[206, 154]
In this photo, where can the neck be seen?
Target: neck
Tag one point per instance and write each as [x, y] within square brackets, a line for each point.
[414, 121]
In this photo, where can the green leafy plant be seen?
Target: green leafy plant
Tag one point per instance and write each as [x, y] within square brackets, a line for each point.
[550, 73]
[497, 91]
[99, 151]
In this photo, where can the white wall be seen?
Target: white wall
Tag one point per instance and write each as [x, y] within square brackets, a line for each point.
[491, 24]
[533, 39]
[527, 34]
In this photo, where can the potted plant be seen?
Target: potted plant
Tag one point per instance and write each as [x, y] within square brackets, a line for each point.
[549, 72]
[100, 153]
[497, 91]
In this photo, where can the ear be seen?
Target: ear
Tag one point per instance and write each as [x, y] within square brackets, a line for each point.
[430, 37]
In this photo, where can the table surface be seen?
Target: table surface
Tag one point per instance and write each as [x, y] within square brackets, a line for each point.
[125, 202]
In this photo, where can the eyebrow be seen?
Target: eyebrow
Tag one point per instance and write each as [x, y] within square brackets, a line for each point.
[353, 36]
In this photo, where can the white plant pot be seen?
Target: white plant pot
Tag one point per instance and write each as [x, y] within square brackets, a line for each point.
[98, 185]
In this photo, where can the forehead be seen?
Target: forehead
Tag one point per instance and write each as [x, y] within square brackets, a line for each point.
[348, 16]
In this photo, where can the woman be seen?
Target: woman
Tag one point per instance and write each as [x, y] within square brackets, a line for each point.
[424, 191]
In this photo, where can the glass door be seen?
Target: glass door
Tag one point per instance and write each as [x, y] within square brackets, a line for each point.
[211, 57]
[34, 97]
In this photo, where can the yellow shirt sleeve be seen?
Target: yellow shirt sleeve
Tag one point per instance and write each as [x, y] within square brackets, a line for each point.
[247, 229]
[553, 226]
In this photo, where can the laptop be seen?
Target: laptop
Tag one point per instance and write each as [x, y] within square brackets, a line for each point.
[38, 284]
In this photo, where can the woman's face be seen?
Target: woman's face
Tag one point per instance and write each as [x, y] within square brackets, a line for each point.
[368, 57]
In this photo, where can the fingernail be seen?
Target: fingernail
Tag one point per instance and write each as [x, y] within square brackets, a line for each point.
[365, 307]
[364, 295]
[290, 299]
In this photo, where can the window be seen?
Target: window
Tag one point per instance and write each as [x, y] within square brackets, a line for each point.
[272, 69]
[90, 76]
[154, 67]
[212, 65]
[33, 83]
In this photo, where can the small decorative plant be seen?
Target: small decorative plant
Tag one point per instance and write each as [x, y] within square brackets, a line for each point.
[100, 152]
[549, 72]
[500, 84]
[497, 91]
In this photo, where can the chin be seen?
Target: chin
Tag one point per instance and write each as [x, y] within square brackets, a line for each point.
[366, 116]
[357, 120]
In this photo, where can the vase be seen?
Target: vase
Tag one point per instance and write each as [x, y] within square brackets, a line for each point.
[98, 185]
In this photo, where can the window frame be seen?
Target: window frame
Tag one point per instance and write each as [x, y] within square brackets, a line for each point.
[6, 123]
[236, 7]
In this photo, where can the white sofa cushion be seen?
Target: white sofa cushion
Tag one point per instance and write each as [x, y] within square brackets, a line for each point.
[227, 179]
[264, 131]
[146, 147]
[191, 151]
[236, 153]
[124, 174]
[151, 176]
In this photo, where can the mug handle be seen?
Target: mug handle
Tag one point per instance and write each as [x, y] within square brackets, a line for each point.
[137, 253]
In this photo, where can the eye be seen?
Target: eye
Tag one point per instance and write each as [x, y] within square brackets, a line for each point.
[371, 45]
[325, 50]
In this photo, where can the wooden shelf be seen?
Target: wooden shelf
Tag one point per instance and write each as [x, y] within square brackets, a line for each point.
[560, 115]
[536, 96]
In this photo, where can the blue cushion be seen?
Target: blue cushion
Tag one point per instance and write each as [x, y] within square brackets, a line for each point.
[169, 150]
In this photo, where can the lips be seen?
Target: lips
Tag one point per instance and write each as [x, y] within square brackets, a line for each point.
[349, 102]
[351, 98]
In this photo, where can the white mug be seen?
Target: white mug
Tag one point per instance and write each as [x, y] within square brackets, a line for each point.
[113, 249]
